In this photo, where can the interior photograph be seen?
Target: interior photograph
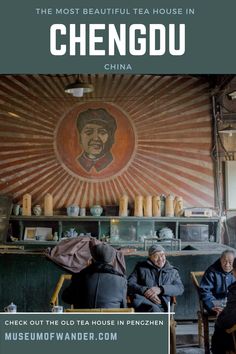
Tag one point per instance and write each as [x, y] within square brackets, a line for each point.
[118, 194]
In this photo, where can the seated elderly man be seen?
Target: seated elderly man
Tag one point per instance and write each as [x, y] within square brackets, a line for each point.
[221, 341]
[99, 285]
[153, 282]
[215, 282]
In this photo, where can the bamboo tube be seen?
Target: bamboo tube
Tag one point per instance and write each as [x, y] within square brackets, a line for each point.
[48, 205]
[147, 205]
[123, 205]
[138, 205]
[54, 298]
[156, 206]
[169, 211]
[178, 206]
[26, 205]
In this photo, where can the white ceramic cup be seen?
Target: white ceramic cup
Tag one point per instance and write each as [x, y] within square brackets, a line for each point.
[217, 303]
[11, 308]
[57, 309]
[82, 211]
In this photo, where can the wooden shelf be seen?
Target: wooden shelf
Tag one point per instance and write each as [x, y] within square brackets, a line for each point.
[100, 226]
[109, 218]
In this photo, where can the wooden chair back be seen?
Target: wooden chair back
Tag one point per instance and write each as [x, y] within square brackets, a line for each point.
[55, 296]
[203, 316]
[196, 278]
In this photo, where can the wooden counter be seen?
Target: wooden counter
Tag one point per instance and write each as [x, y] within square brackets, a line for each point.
[28, 277]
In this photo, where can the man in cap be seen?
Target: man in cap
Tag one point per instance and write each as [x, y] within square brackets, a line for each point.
[99, 285]
[153, 282]
[96, 129]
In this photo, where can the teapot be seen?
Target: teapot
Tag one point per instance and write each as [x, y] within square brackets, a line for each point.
[96, 210]
[72, 210]
[37, 210]
[166, 233]
[71, 233]
[10, 308]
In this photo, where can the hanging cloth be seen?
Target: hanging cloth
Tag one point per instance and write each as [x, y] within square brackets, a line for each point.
[74, 254]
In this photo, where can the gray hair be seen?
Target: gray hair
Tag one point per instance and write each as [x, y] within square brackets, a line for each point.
[225, 252]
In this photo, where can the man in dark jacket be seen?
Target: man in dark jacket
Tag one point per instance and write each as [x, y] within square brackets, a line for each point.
[221, 341]
[215, 282]
[99, 285]
[153, 282]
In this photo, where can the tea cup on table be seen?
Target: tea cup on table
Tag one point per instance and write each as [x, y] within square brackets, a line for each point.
[218, 306]
[217, 303]
[11, 308]
[224, 302]
[57, 309]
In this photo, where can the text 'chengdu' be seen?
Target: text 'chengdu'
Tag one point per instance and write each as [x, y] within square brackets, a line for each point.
[109, 39]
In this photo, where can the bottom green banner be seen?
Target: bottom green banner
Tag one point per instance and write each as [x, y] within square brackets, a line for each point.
[105, 333]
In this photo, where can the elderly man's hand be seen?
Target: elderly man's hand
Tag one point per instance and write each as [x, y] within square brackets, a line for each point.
[155, 290]
[155, 299]
[217, 309]
[152, 294]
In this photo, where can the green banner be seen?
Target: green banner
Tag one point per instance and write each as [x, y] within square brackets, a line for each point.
[152, 36]
[83, 333]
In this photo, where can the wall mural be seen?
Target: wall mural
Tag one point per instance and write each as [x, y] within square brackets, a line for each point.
[94, 141]
[134, 135]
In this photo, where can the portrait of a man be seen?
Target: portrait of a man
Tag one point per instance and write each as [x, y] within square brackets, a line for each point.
[96, 131]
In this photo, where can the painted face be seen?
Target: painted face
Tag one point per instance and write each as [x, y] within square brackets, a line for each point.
[158, 258]
[227, 262]
[93, 139]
